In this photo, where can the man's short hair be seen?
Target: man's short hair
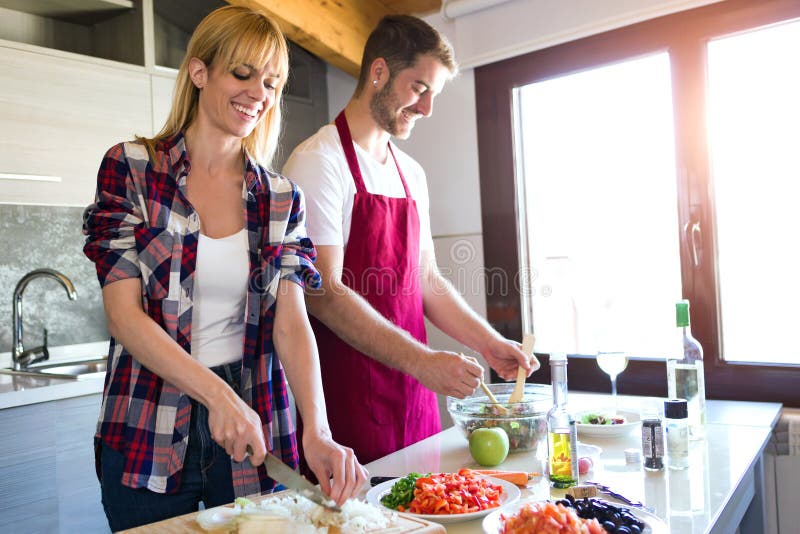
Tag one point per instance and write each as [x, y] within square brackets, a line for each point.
[400, 40]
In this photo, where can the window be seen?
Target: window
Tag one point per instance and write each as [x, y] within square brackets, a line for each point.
[600, 199]
[645, 165]
[754, 141]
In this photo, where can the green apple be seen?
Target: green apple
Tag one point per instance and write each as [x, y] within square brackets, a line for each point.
[488, 446]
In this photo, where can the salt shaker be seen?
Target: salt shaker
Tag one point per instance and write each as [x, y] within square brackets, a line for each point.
[677, 425]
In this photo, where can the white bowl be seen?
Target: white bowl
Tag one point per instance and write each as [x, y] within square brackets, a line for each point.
[632, 421]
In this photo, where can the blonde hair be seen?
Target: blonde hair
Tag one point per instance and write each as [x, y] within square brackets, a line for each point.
[231, 36]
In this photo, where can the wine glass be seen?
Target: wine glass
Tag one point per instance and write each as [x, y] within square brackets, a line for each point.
[612, 364]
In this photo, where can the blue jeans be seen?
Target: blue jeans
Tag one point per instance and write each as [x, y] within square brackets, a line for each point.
[206, 474]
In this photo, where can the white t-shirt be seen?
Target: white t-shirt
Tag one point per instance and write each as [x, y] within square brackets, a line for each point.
[220, 294]
[319, 167]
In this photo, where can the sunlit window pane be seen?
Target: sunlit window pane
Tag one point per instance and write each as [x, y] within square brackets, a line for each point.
[599, 208]
[754, 132]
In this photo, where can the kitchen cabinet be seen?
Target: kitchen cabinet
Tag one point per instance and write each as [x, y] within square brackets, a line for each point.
[47, 467]
[58, 115]
[109, 29]
[174, 21]
[73, 83]
[77, 76]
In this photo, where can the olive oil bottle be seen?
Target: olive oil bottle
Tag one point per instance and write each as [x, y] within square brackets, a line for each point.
[562, 434]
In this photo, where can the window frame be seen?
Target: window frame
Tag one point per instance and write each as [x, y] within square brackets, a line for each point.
[685, 36]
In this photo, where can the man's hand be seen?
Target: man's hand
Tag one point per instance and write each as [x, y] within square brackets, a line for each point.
[449, 373]
[505, 357]
[336, 467]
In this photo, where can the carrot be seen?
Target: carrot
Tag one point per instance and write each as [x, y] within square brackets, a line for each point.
[519, 478]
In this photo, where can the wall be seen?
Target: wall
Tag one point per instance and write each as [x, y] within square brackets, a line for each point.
[32, 237]
[519, 26]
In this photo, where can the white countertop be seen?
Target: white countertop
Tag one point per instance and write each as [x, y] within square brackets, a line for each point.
[711, 496]
[18, 390]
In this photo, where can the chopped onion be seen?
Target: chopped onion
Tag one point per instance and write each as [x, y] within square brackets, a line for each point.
[301, 514]
[217, 518]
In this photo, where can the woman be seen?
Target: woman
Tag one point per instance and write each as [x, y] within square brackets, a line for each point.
[201, 254]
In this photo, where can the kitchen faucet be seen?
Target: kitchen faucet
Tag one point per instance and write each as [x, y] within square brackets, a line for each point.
[23, 358]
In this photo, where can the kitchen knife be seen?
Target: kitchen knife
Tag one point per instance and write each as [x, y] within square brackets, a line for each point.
[374, 481]
[280, 472]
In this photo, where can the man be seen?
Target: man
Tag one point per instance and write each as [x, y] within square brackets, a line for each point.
[367, 204]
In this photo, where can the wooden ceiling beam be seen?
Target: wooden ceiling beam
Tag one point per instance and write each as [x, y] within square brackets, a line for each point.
[335, 31]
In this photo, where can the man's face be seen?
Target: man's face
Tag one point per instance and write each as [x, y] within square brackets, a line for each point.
[408, 95]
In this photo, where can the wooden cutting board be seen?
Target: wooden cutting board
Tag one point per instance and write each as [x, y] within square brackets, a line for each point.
[187, 524]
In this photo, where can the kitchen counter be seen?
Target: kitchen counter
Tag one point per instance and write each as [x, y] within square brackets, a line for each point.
[18, 390]
[721, 491]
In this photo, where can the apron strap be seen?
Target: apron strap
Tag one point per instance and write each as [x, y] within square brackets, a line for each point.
[352, 159]
[399, 171]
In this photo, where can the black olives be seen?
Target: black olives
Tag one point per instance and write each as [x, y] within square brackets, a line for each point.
[614, 519]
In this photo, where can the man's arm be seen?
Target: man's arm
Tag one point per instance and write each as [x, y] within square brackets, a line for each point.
[336, 467]
[355, 321]
[448, 310]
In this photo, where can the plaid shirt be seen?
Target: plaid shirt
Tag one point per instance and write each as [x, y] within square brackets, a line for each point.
[142, 226]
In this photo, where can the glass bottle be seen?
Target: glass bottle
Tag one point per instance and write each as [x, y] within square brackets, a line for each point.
[685, 376]
[562, 434]
[675, 418]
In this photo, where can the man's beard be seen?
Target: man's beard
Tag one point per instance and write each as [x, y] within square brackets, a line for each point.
[382, 108]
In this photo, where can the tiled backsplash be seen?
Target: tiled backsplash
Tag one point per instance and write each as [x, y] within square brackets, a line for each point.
[33, 237]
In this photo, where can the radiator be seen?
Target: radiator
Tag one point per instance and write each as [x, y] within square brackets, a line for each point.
[782, 475]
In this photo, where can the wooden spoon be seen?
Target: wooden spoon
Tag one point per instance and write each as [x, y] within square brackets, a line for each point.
[492, 398]
[519, 388]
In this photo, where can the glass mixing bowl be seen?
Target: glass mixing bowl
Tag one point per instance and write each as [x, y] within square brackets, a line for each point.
[525, 423]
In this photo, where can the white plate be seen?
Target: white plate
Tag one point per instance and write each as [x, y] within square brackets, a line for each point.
[652, 524]
[510, 495]
[632, 420]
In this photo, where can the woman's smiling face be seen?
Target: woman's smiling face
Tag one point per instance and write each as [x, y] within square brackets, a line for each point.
[233, 100]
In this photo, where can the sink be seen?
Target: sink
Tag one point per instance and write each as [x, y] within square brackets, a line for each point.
[69, 370]
[83, 367]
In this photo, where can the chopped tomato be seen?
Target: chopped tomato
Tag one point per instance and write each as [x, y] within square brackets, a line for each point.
[546, 518]
[454, 493]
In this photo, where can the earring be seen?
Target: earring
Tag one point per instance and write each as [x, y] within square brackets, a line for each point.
[375, 83]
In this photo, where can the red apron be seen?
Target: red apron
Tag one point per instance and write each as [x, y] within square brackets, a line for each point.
[373, 409]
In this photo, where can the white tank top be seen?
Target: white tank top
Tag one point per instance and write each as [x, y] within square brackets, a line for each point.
[220, 294]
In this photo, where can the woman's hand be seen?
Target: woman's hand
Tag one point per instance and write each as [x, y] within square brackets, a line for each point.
[336, 467]
[236, 427]
[233, 424]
